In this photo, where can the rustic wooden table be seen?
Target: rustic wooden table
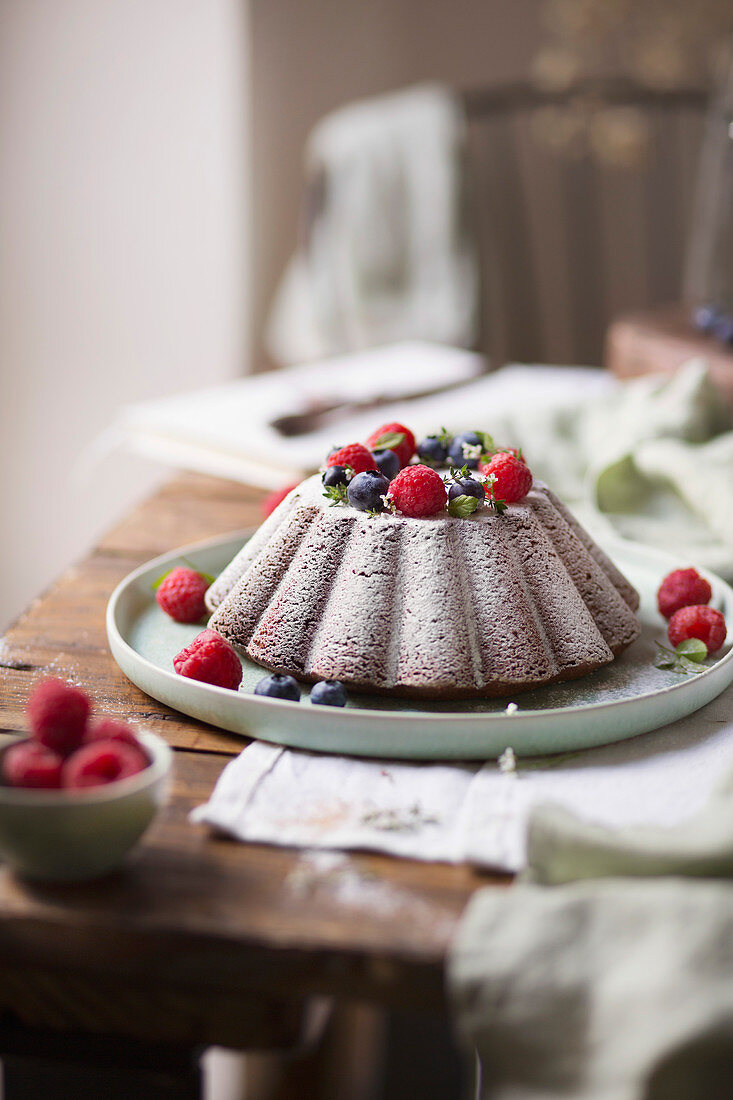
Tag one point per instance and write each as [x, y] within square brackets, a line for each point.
[198, 940]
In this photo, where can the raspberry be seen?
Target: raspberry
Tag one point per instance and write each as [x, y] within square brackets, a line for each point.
[513, 477]
[111, 729]
[354, 455]
[30, 764]
[211, 659]
[682, 588]
[697, 621]
[418, 491]
[102, 762]
[271, 501]
[57, 713]
[181, 594]
[404, 450]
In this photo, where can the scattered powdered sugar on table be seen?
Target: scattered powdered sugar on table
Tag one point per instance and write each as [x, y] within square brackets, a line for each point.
[334, 874]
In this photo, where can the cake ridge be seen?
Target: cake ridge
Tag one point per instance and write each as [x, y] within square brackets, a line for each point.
[464, 575]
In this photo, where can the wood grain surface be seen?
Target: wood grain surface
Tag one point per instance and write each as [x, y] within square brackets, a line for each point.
[199, 938]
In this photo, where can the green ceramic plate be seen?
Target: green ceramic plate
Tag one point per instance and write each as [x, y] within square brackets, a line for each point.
[627, 698]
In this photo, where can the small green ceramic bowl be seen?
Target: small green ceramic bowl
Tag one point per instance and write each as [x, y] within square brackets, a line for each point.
[63, 836]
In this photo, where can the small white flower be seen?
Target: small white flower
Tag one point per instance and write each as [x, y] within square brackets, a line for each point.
[511, 708]
[471, 450]
[508, 762]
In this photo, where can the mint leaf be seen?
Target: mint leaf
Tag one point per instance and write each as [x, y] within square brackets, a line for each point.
[156, 584]
[693, 649]
[675, 661]
[462, 506]
[665, 658]
[487, 442]
[685, 665]
[388, 441]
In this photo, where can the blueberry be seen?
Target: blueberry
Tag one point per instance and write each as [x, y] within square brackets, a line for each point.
[466, 487]
[705, 318]
[366, 490]
[335, 475]
[278, 686]
[457, 454]
[723, 329]
[432, 451]
[388, 463]
[329, 693]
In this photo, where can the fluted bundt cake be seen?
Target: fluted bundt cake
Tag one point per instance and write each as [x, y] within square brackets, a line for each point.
[448, 606]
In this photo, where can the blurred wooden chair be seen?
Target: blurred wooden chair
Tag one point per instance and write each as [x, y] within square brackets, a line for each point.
[568, 242]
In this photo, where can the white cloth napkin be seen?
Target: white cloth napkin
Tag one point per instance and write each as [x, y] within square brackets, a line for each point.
[468, 813]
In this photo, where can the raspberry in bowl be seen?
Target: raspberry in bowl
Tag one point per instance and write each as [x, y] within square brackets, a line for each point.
[73, 814]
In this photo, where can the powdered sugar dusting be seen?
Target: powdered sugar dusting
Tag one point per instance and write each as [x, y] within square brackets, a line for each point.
[335, 877]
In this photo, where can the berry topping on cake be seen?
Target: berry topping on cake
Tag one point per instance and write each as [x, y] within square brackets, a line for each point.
[508, 478]
[682, 588]
[388, 463]
[468, 448]
[278, 686]
[336, 475]
[57, 713]
[30, 764]
[335, 480]
[210, 659]
[355, 455]
[698, 621]
[433, 450]
[181, 594]
[465, 495]
[110, 729]
[329, 693]
[102, 762]
[418, 491]
[271, 501]
[466, 486]
[366, 491]
[394, 437]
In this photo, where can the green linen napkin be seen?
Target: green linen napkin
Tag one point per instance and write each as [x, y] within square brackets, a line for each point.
[651, 461]
[599, 990]
[580, 983]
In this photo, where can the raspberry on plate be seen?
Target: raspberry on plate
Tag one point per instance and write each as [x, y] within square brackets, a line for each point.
[57, 714]
[271, 501]
[698, 621]
[111, 729]
[181, 594]
[355, 455]
[418, 491]
[513, 477]
[102, 762]
[210, 659]
[30, 764]
[404, 450]
[682, 588]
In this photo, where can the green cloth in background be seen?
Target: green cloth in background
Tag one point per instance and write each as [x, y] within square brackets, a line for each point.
[580, 983]
[651, 461]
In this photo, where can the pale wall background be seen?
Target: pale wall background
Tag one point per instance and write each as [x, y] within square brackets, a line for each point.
[123, 247]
